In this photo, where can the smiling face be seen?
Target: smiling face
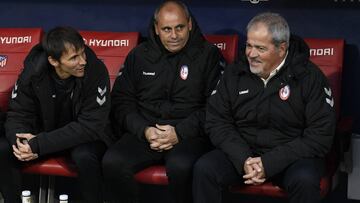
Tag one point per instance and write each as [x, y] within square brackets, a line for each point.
[262, 54]
[71, 63]
[173, 27]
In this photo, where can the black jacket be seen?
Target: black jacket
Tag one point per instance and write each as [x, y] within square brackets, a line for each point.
[245, 119]
[32, 106]
[2, 121]
[150, 90]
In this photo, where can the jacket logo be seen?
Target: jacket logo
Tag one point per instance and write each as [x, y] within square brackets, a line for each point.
[102, 92]
[329, 99]
[244, 92]
[148, 73]
[284, 93]
[184, 72]
[14, 92]
[101, 99]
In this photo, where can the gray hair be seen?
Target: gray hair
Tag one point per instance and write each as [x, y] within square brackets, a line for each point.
[276, 24]
[179, 3]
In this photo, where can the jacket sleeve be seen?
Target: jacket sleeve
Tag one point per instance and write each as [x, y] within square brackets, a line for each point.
[319, 129]
[21, 115]
[2, 120]
[124, 110]
[92, 118]
[193, 125]
[221, 127]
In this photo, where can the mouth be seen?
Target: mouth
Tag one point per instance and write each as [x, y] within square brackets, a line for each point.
[254, 62]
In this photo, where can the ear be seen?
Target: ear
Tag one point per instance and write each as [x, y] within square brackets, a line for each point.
[190, 24]
[156, 28]
[53, 61]
[282, 49]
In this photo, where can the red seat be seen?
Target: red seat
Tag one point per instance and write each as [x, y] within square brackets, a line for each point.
[112, 48]
[228, 44]
[328, 55]
[15, 44]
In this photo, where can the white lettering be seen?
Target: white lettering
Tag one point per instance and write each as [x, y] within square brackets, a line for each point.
[322, 52]
[107, 43]
[149, 73]
[221, 46]
[15, 40]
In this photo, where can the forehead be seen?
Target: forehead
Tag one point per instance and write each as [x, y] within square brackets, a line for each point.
[259, 33]
[70, 50]
[171, 14]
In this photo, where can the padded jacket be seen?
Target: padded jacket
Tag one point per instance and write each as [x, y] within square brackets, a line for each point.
[289, 119]
[158, 87]
[32, 105]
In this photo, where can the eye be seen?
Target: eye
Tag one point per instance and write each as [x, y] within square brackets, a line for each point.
[180, 27]
[166, 29]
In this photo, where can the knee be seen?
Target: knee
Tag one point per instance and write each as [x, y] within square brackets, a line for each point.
[114, 163]
[204, 167]
[179, 167]
[305, 180]
[86, 160]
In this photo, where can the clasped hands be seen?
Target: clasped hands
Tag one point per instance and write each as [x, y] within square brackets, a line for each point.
[161, 137]
[22, 149]
[254, 171]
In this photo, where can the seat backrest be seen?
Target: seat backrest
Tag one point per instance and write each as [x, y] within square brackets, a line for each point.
[228, 44]
[328, 55]
[111, 47]
[15, 43]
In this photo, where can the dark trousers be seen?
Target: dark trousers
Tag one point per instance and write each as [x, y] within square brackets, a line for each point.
[87, 158]
[214, 172]
[129, 155]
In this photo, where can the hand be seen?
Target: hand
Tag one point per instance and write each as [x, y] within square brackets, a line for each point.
[254, 171]
[168, 136]
[22, 150]
[153, 136]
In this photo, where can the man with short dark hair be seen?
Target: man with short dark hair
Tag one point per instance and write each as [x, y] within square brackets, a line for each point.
[60, 104]
[158, 103]
[271, 118]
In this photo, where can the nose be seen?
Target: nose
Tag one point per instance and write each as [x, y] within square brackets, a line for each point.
[82, 60]
[252, 53]
[173, 34]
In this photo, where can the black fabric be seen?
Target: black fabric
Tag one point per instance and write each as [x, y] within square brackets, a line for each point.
[129, 155]
[10, 175]
[149, 88]
[245, 119]
[87, 158]
[82, 116]
[213, 172]
[63, 101]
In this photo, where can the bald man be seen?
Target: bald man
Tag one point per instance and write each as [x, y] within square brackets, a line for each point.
[158, 105]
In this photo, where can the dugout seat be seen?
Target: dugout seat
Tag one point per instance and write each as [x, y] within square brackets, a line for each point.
[328, 55]
[112, 48]
[15, 43]
[228, 44]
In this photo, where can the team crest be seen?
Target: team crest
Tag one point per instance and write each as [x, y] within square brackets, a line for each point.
[3, 60]
[184, 72]
[284, 93]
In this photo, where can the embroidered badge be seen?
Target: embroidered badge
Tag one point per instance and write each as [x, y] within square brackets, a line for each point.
[184, 72]
[284, 93]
